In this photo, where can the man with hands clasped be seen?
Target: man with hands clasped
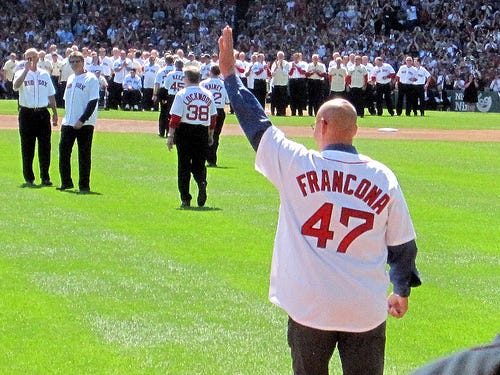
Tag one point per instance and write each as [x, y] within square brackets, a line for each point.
[81, 98]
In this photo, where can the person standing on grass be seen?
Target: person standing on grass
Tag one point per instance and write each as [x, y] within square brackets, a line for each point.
[215, 85]
[193, 117]
[342, 218]
[36, 93]
[81, 98]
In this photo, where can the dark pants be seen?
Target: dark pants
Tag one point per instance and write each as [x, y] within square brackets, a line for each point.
[298, 95]
[115, 94]
[191, 142]
[61, 87]
[280, 99]
[314, 90]
[147, 100]
[131, 98]
[419, 102]
[384, 94]
[35, 125]
[260, 91]
[369, 99]
[164, 118]
[357, 98]
[405, 91]
[360, 353]
[212, 150]
[83, 137]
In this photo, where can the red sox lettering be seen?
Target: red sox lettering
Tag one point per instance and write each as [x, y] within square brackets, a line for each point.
[31, 82]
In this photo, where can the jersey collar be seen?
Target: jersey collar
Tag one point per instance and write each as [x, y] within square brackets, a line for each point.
[341, 147]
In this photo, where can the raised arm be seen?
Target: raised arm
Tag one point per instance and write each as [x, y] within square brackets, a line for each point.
[248, 110]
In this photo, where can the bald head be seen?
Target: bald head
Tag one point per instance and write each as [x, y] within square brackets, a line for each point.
[335, 123]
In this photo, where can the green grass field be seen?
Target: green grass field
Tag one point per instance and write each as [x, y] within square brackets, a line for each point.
[123, 282]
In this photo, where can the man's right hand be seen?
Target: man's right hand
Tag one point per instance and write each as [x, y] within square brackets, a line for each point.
[226, 52]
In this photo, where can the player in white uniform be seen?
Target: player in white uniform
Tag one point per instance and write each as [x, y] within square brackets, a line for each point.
[150, 70]
[216, 86]
[420, 84]
[192, 121]
[132, 91]
[160, 94]
[404, 83]
[342, 217]
[383, 74]
[81, 98]
[36, 93]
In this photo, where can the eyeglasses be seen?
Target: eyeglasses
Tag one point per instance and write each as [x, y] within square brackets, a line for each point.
[75, 61]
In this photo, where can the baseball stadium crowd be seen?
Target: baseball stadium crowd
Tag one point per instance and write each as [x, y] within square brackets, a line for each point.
[453, 39]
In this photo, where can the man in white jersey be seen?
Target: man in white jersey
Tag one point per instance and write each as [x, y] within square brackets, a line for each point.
[160, 95]
[404, 83]
[132, 91]
[36, 93]
[342, 218]
[150, 70]
[216, 86]
[383, 75]
[420, 84]
[192, 121]
[81, 98]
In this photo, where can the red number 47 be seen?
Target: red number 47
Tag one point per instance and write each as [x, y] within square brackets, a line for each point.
[318, 225]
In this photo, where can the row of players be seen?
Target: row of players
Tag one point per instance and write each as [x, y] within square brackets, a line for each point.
[129, 79]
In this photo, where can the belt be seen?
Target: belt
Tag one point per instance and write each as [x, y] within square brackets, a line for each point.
[37, 109]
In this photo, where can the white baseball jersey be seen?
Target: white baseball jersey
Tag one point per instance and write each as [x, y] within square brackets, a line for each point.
[280, 70]
[80, 90]
[383, 74]
[358, 75]
[318, 68]
[162, 74]
[338, 75]
[295, 71]
[150, 72]
[132, 83]
[339, 211]
[216, 87]
[421, 75]
[241, 67]
[36, 88]
[406, 74]
[107, 65]
[121, 68]
[174, 82]
[194, 105]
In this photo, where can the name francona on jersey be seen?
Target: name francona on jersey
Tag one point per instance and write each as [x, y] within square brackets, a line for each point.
[197, 96]
[335, 181]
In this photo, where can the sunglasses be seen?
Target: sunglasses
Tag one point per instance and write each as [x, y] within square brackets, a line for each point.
[75, 61]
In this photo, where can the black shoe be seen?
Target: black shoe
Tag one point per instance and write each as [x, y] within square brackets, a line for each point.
[47, 183]
[84, 190]
[185, 204]
[65, 187]
[29, 184]
[212, 165]
[202, 194]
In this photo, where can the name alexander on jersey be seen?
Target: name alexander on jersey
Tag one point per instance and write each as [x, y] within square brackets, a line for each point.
[335, 181]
